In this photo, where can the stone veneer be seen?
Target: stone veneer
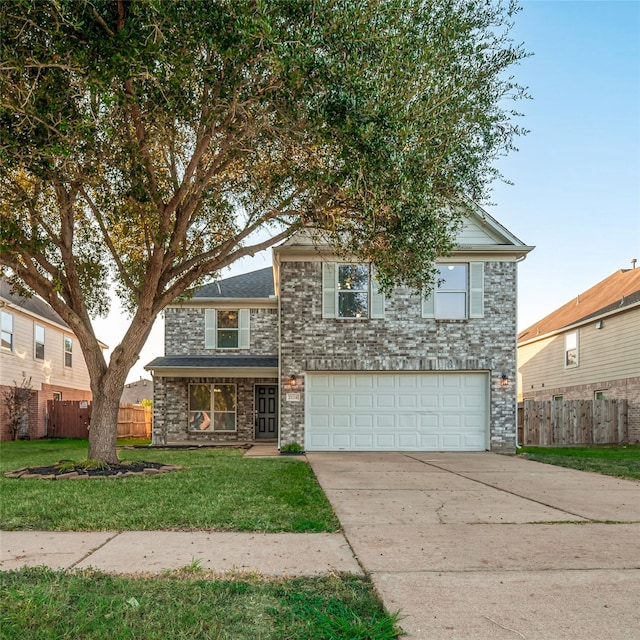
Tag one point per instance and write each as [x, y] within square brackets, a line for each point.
[403, 341]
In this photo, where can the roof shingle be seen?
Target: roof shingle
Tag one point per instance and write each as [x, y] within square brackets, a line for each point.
[619, 290]
[256, 284]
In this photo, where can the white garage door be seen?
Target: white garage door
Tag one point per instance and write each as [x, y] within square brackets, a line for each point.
[396, 412]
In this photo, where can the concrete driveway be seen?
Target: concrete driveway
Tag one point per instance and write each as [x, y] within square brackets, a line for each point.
[480, 545]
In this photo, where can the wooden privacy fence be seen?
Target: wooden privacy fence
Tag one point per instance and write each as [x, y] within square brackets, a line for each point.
[71, 419]
[574, 422]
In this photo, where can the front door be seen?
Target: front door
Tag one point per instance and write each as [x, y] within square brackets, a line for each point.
[266, 411]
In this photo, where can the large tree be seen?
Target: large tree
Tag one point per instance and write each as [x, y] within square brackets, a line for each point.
[147, 144]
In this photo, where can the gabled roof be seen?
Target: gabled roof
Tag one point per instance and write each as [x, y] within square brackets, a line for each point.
[479, 233]
[255, 284]
[34, 305]
[617, 292]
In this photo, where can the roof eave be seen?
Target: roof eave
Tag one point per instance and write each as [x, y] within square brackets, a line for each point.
[581, 323]
[254, 303]
[213, 372]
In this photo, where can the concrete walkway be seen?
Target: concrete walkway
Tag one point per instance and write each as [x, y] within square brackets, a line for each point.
[475, 546]
[466, 546]
[275, 554]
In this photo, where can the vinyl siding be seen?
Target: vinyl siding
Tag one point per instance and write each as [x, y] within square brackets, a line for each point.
[610, 353]
[21, 363]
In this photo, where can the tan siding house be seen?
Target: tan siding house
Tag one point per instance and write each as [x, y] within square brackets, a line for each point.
[589, 347]
[38, 346]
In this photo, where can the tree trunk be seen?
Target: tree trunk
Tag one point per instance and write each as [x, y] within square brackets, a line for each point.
[103, 429]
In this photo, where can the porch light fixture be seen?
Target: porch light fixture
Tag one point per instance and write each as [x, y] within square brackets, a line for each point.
[504, 381]
[292, 379]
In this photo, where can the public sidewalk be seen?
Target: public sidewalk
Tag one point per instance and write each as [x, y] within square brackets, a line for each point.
[273, 554]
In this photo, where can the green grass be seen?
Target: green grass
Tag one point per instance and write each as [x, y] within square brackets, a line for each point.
[621, 461]
[41, 604]
[216, 489]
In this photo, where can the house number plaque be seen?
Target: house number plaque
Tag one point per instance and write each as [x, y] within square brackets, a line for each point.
[293, 397]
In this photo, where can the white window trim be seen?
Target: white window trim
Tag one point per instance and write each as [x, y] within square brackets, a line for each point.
[474, 294]
[331, 292]
[64, 351]
[11, 348]
[577, 350]
[211, 329]
[37, 326]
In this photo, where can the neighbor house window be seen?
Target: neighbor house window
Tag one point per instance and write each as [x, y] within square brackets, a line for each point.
[350, 291]
[226, 329]
[212, 407]
[571, 349]
[6, 323]
[57, 395]
[458, 292]
[558, 398]
[38, 340]
[600, 395]
[68, 351]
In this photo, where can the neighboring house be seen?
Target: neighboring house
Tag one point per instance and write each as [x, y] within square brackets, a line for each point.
[38, 345]
[310, 351]
[136, 392]
[588, 348]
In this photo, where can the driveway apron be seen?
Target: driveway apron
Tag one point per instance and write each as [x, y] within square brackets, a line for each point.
[481, 545]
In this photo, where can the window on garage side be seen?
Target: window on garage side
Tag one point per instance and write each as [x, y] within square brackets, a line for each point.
[212, 407]
[353, 291]
[571, 349]
[458, 293]
[350, 291]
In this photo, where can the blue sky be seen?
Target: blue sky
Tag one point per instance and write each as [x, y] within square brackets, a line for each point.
[576, 191]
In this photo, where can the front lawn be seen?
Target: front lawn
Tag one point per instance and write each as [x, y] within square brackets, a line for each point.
[40, 604]
[621, 461]
[216, 489]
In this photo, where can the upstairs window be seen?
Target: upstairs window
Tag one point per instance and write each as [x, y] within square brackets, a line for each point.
[226, 328]
[571, 349]
[350, 291]
[353, 291]
[38, 342]
[458, 292]
[6, 324]
[68, 351]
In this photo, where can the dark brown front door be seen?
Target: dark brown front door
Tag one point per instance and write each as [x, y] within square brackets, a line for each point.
[266, 411]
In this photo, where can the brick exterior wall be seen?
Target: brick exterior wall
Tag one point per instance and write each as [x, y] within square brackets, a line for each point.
[626, 388]
[171, 410]
[184, 335]
[184, 332]
[403, 341]
[38, 409]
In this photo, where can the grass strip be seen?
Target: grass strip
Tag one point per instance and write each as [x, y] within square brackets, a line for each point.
[620, 461]
[41, 604]
[216, 489]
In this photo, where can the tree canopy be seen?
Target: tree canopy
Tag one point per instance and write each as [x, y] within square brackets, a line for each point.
[147, 144]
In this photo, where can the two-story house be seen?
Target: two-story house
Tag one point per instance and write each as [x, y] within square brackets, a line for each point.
[587, 349]
[37, 346]
[310, 351]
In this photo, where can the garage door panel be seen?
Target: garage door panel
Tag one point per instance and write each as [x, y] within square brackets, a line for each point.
[396, 411]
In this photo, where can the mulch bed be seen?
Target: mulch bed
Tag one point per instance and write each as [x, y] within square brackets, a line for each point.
[121, 470]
